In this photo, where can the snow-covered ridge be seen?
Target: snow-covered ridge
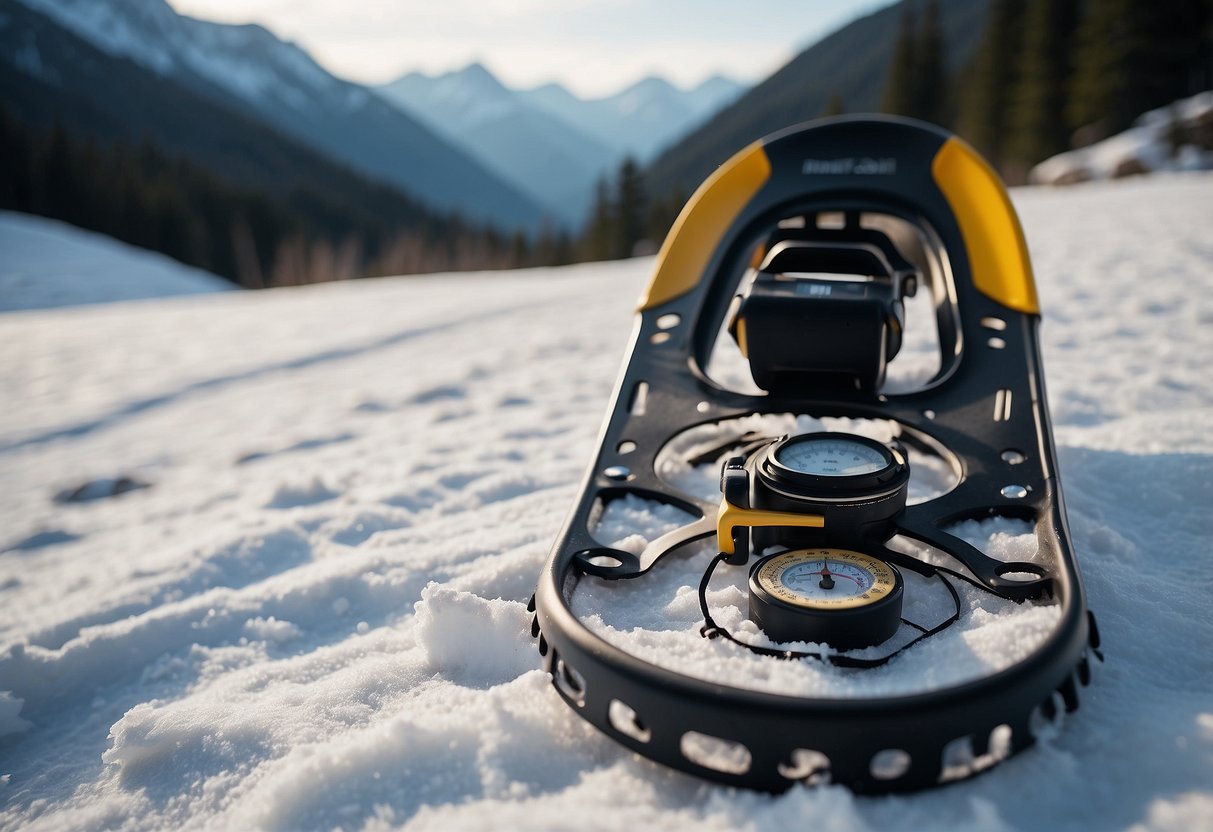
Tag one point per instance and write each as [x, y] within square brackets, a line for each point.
[248, 61]
[252, 73]
[638, 120]
[315, 615]
[546, 141]
[1146, 147]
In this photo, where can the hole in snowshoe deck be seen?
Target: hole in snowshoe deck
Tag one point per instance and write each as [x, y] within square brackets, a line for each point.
[570, 683]
[890, 764]
[624, 720]
[629, 521]
[806, 765]
[1019, 571]
[1002, 405]
[640, 398]
[716, 753]
[656, 618]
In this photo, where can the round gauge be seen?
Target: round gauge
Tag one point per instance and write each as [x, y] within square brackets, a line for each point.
[832, 455]
[838, 596]
[832, 465]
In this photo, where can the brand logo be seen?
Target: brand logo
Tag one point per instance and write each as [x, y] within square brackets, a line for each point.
[863, 166]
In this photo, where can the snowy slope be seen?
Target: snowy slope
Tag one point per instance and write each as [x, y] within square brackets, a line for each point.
[46, 263]
[314, 617]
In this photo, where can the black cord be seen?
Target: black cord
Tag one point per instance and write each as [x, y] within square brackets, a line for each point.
[711, 629]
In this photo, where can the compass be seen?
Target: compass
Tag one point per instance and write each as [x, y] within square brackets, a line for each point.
[857, 484]
[832, 465]
[837, 596]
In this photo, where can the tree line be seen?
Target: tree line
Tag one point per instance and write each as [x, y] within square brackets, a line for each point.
[136, 193]
[1049, 75]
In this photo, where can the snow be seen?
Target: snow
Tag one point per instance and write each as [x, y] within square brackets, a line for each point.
[46, 263]
[314, 615]
[1145, 144]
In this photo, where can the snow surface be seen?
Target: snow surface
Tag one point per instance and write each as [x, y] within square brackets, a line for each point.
[314, 616]
[45, 263]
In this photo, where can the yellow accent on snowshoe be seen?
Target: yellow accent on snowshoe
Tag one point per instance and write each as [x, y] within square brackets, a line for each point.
[708, 214]
[998, 254]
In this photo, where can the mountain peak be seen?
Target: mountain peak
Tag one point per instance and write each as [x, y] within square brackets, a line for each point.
[475, 76]
[650, 85]
[716, 82]
[476, 70]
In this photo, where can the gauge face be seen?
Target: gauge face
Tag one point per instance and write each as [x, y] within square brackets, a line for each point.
[826, 578]
[830, 456]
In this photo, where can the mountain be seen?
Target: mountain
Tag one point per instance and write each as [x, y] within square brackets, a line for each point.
[249, 69]
[550, 160]
[546, 141]
[851, 63]
[641, 119]
[167, 168]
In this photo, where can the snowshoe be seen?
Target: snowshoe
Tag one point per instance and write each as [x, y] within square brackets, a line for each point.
[846, 505]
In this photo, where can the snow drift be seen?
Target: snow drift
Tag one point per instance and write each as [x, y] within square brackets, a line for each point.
[1174, 138]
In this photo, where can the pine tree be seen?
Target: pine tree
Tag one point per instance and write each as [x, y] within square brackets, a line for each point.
[930, 80]
[601, 228]
[983, 118]
[519, 250]
[662, 213]
[629, 208]
[1102, 60]
[1037, 128]
[901, 91]
[1133, 56]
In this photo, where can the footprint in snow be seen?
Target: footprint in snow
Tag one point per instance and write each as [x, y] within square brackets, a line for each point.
[446, 391]
[49, 537]
[303, 445]
[293, 495]
[100, 489]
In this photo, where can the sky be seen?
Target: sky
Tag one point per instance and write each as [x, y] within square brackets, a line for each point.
[594, 47]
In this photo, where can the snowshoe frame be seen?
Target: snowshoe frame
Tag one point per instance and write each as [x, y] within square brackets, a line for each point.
[987, 398]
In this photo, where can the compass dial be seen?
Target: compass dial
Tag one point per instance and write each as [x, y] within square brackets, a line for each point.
[826, 579]
[829, 456]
